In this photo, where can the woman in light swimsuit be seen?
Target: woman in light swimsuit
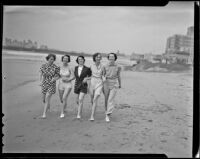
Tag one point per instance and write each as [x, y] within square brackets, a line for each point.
[65, 83]
[96, 83]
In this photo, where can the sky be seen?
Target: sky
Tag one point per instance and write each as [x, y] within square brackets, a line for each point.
[104, 29]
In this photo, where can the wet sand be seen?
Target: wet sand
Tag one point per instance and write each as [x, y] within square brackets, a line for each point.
[153, 114]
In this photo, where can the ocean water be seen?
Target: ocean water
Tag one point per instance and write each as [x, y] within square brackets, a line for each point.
[23, 55]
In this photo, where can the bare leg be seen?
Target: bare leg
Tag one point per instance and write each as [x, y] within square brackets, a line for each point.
[47, 104]
[106, 93]
[43, 98]
[65, 95]
[61, 92]
[44, 101]
[77, 99]
[95, 100]
[91, 96]
[81, 97]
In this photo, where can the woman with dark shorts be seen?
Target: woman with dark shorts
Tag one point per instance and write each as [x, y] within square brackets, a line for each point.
[49, 73]
[82, 75]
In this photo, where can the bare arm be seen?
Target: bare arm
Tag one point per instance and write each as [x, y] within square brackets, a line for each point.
[57, 74]
[72, 77]
[119, 77]
[40, 77]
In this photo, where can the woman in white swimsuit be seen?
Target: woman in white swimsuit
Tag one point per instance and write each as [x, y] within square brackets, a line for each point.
[65, 83]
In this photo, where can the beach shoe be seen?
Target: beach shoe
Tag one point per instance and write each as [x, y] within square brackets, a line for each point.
[107, 118]
[43, 117]
[91, 119]
[78, 117]
[62, 115]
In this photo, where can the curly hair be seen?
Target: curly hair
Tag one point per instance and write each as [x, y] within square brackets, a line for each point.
[95, 55]
[51, 55]
[113, 54]
[81, 57]
[69, 59]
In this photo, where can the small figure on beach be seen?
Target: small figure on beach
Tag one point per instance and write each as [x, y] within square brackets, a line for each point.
[96, 83]
[111, 84]
[82, 75]
[65, 82]
[49, 73]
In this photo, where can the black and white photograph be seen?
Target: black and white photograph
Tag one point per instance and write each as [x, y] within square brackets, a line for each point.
[98, 79]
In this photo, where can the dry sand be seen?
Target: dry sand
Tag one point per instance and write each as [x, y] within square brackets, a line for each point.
[153, 114]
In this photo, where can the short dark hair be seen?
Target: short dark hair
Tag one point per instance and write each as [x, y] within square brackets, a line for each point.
[51, 55]
[66, 56]
[81, 57]
[95, 55]
[113, 54]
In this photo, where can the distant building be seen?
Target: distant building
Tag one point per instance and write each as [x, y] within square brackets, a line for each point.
[43, 47]
[149, 57]
[136, 57]
[181, 43]
[22, 44]
[190, 31]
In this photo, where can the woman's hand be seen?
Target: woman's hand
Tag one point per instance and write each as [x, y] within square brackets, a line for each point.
[85, 80]
[52, 80]
[103, 79]
[65, 79]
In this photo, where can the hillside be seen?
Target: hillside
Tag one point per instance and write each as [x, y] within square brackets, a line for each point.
[159, 67]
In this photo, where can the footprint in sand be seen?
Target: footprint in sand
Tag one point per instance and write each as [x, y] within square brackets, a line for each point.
[164, 134]
[140, 149]
[43, 129]
[129, 122]
[19, 136]
[136, 122]
[122, 144]
[185, 138]
[59, 140]
[38, 140]
[27, 124]
[163, 141]
[53, 143]
[88, 147]
[127, 139]
[123, 106]
[42, 151]
[141, 144]
[87, 135]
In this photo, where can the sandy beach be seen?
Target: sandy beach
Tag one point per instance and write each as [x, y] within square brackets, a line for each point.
[153, 114]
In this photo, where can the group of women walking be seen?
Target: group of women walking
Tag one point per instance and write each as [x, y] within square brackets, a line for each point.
[93, 80]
